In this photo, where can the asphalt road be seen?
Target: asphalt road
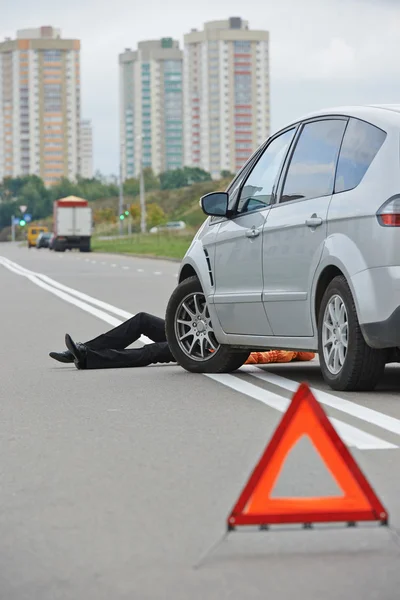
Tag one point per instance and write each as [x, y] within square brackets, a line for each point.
[114, 483]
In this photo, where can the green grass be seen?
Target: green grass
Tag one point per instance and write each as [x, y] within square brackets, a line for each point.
[166, 245]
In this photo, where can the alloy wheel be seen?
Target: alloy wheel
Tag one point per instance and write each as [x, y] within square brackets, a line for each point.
[335, 334]
[193, 328]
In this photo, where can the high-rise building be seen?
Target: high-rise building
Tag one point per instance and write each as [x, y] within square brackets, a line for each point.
[40, 105]
[226, 94]
[151, 107]
[86, 149]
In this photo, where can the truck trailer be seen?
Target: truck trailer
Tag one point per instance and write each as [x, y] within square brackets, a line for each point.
[72, 218]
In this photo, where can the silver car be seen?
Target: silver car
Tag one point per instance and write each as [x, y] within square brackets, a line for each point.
[301, 252]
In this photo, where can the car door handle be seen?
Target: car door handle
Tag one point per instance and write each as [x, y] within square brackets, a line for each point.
[252, 233]
[314, 221]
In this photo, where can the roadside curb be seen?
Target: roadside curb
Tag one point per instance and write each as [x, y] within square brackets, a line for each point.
[151, 256]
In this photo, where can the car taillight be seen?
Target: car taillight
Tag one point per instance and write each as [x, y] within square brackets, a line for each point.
[389, 213]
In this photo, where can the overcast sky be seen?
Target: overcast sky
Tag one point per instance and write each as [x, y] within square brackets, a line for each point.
[323, 52]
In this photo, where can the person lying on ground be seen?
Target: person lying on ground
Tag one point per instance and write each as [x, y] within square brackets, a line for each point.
[110, 350]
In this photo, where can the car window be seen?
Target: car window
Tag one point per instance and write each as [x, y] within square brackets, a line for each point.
[258, 188]
[361, 143]
[311, 171]
[34, 232]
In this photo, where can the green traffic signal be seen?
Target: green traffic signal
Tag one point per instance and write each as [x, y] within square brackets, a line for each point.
[22, 222]
[127, 213]
[122, 217]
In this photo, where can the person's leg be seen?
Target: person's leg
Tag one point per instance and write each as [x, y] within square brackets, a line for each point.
[110, 358]
[128, 332]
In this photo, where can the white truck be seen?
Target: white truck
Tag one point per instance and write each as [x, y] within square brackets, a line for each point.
[72, 224]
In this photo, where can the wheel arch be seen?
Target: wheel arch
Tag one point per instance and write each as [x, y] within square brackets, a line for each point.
[326, 276]
[186, 272]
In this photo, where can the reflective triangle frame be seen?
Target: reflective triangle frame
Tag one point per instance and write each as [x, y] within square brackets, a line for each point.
[359, 502]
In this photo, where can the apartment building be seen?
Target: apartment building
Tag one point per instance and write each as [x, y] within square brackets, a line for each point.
[40, 105]
[226, 94]
[151, 107]
[86, 149]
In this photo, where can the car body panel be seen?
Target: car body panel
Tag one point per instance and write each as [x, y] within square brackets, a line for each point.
[296, 258]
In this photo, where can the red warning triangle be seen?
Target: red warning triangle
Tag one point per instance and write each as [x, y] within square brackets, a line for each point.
[305, 416]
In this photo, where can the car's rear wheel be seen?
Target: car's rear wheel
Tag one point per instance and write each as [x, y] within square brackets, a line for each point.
[190, 333]
[347, 362]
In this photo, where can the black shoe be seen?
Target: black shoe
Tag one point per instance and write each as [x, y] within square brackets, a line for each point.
[77, 350]
[63, 357]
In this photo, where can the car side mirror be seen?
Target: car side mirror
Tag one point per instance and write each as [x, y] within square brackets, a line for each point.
[215, 204]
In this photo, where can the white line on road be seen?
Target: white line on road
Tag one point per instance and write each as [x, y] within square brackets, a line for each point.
[352, 435]
[113, 265]
[139, 270]
[66, 293]
[351, 408]
[125, 268]
[157, 273]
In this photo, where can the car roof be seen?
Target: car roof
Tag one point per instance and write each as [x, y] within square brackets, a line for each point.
[382, 115]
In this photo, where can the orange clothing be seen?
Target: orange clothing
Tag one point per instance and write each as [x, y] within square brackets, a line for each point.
[278, 356]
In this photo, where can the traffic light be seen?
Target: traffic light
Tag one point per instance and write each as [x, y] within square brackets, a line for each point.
[127, 213]
[122, 217]
[22, 222]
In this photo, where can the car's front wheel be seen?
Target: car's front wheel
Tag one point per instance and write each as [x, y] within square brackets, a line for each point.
[347, 362]
[190, 333]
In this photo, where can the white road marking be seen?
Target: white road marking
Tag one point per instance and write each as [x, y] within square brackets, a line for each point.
[352, 435]
[157, 273]
[93, 262]
[103, 263]
[351, 408]
[113, 265]
[140, 270]
[87, 259]
[126, 268]
[66, 293]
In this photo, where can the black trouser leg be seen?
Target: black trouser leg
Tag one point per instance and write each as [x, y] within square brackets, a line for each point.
[128, 332]
[111, 358]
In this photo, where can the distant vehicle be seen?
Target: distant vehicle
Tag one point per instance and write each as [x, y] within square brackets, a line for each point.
[301, 252]
[43, 239]
[51, 241]
[72, 224]
[171, 226]
[33, 234]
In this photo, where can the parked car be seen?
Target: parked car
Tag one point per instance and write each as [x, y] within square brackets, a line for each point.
[171, 226]
[33, 233]
[43, 239]
[301, 252]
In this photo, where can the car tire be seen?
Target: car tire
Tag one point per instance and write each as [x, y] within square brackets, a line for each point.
[222, 360]
[359, 367]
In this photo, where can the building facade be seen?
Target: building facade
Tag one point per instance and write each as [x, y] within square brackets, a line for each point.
[151, 107]
[40, 105]
[86, 149]
[226, 95]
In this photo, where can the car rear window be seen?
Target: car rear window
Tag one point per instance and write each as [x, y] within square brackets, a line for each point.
[361, 143]
[34, 231]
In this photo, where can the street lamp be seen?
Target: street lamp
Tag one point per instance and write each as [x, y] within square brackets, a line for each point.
[121, 188]
[142, 190]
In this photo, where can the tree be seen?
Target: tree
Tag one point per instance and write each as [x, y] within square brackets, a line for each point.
[196, 175]
[171, 180]
[135, 214]
[151, 181]
[227, 175]
[104, 215]
[131, 187]
[155, 215]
